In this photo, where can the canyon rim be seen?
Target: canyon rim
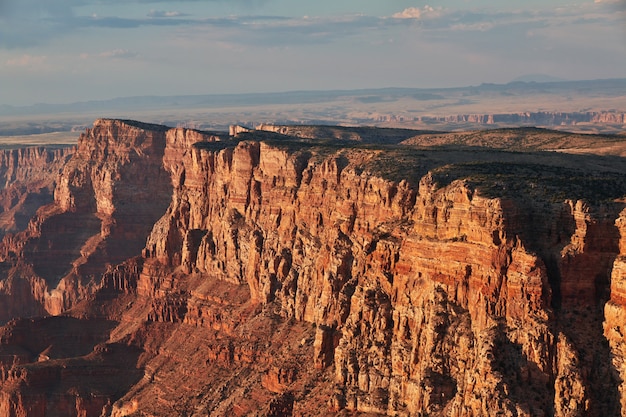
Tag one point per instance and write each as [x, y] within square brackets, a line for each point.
[313, 270]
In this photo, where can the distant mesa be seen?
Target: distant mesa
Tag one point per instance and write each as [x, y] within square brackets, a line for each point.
[235, 130]
[538, 78]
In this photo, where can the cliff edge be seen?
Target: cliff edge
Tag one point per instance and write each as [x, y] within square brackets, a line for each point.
[179, 272]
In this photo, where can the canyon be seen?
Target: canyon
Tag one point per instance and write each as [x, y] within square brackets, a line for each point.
[313, 270]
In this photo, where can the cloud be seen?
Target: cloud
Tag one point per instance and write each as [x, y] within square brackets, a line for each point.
[277, 32]
[616, 5]
[26, 61]
[112, 54]
[40, 8]
[417, 13]
[481, 27]
[27, 23]
[116, 22]
[8, 5]
[118, 53]
[163, 13]
[60, 20]
[245, 3]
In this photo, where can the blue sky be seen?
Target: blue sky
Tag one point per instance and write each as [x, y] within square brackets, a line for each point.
[60, 51]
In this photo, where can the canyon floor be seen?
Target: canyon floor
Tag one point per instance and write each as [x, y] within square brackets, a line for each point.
[303, 270]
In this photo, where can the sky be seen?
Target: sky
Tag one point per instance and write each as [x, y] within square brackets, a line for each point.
[63, 51]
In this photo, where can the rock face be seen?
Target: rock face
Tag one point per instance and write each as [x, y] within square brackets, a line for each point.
[268, 275]
[615, 310]
[28, 178]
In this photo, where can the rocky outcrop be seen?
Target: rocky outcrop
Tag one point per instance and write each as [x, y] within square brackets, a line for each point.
[615, 311]
[271, 275]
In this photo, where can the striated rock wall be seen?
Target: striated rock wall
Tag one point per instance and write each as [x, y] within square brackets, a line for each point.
[92, 223]
[258, 276]
[615, 311]
[425, 300]
[27, 178]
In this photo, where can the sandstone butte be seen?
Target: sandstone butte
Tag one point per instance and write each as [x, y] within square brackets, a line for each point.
[310, 271]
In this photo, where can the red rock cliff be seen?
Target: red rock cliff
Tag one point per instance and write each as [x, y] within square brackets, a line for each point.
[280, 278]
[424, 299]
[28, 178]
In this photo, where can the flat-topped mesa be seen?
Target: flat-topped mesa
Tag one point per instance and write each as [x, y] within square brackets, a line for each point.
[184, 138]
[235, 130]
[269, 127]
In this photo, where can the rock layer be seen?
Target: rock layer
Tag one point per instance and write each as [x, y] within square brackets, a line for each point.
[268, 275]
[28, 178]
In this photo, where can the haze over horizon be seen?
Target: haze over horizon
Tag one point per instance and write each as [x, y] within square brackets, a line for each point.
[79, 50]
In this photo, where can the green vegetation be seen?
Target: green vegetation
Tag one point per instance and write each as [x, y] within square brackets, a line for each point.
[217, 145]
[520, 139]
[397, 163]
[142, 125]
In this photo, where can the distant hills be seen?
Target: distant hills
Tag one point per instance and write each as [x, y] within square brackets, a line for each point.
[594, 106]
[538, 78]
[528, 84]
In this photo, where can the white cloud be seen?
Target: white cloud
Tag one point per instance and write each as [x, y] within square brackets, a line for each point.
[417, 13]
[410, 13]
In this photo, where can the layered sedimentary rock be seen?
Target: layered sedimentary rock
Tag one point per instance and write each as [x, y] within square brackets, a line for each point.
[28, 179]
[269, 275]
[62, 367]
[91, 223]
[615, 310]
